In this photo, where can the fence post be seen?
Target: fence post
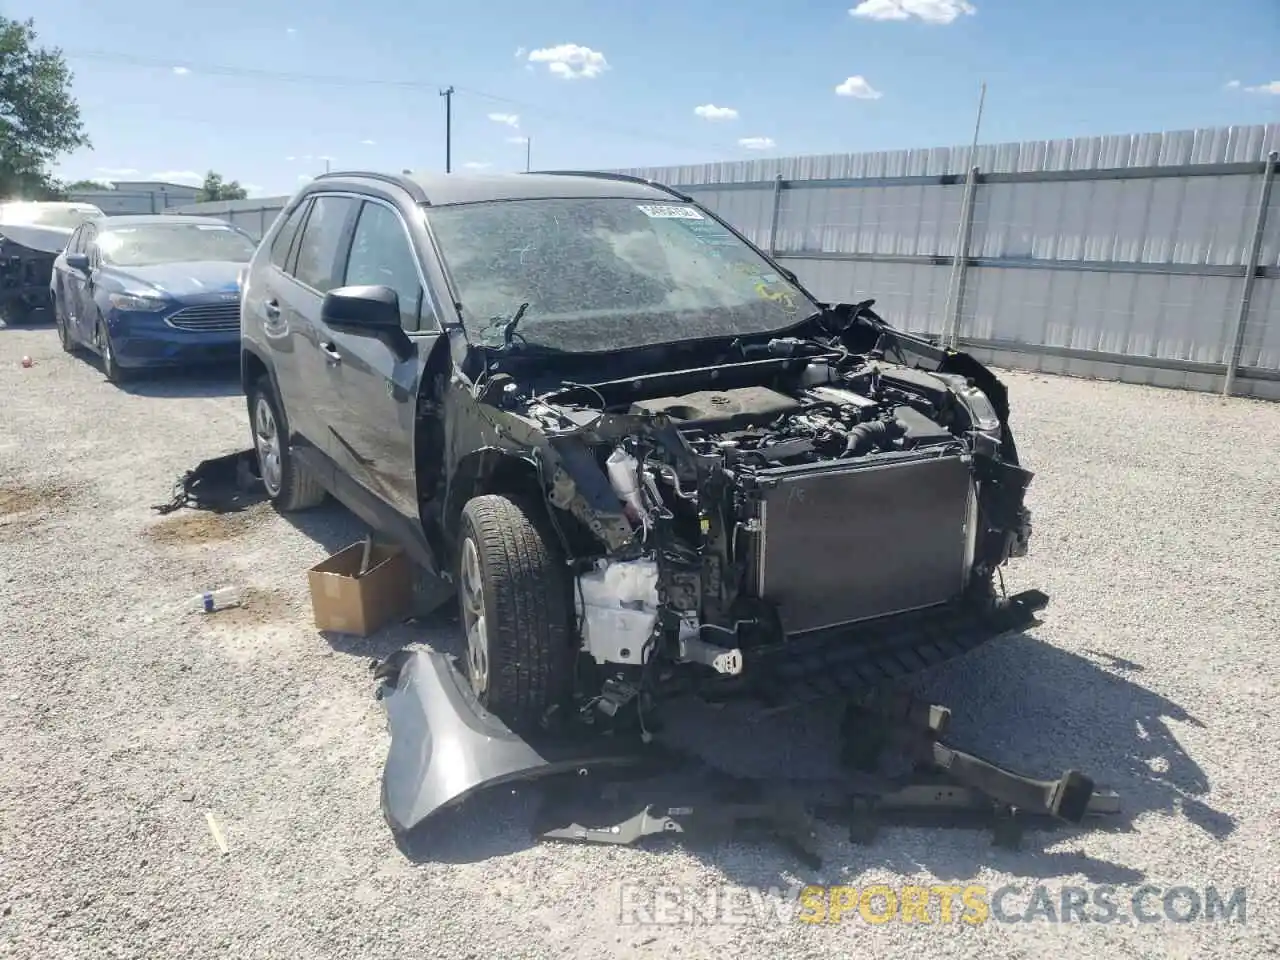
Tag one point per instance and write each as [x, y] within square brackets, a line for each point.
[959, 262]
[1250, 272]
[773, 217]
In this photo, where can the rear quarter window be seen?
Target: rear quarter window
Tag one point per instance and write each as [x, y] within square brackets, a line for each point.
[283, 242]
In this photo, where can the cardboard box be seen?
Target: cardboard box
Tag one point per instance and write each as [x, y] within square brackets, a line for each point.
[345, 602]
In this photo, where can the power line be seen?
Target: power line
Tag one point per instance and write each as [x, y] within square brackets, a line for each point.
[223, 70]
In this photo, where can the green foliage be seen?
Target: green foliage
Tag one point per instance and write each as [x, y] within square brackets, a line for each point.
[215, 188]
[39, 118]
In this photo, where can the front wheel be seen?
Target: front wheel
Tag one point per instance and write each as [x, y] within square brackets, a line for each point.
[110, 366]
[516, 608]
[64, 332]
[288, 483]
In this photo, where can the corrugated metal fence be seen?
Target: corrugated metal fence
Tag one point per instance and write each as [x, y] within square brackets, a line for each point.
[254, 216]
[1150, 258]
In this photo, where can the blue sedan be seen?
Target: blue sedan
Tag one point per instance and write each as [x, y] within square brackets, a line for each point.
[157, 291]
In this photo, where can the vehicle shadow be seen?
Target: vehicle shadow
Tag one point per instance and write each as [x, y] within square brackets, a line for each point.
[222, 380]
[35, 320]
[1038, 710]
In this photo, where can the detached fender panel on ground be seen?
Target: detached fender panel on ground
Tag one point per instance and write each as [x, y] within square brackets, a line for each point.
[445, 747]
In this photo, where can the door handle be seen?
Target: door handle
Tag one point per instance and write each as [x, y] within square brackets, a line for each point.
[272, 309]
[331, 353]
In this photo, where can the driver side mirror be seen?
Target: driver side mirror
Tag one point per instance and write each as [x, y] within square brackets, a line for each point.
[78, 262]
[368, 311]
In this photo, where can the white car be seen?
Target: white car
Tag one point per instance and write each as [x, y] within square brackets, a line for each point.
[32, 234]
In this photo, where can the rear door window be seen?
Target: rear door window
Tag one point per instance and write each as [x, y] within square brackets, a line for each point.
[381, 255]
[321, 242]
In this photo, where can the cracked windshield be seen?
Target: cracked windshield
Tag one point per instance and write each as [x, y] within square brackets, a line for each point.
[607, 273]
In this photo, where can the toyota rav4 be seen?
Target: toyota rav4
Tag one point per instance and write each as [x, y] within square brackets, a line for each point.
[646, 456]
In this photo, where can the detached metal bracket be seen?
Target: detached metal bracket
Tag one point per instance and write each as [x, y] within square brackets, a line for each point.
[952, 786]
[944, 803]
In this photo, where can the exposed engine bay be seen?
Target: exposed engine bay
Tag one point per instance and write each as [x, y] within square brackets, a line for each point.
[795, 491]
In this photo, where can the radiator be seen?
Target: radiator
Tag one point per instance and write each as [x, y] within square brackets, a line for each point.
[848, 541]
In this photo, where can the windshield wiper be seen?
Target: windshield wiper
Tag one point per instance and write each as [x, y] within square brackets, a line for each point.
[508, 325]
[509, 328]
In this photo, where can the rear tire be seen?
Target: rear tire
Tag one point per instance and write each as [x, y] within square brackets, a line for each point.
[522, 617]
[288, 483]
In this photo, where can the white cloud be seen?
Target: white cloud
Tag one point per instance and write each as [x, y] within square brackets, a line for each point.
[116, 171]
[291, 30]
[1233, 84]
[178, 176]
[930, 11]
[477, 165]
[709, 111]
[1272, 88]
[510, 119]
[858, 87]
[290, 159]
[520, 52]
[181, 71]
[757, 143]
[571, 61]
[304, 177]
[251, 187]
[520, 140]
[369, 143]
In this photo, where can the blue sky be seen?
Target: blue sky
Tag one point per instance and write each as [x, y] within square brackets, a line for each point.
[263, 90]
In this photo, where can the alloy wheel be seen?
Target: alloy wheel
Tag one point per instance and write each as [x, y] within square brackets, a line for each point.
[474, 619]
[60, 321]
[266, 440]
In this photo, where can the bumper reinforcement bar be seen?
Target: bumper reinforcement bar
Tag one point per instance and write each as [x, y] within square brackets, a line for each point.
[848, 661]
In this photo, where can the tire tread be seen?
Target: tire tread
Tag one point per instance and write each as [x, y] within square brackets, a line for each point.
[531, 624]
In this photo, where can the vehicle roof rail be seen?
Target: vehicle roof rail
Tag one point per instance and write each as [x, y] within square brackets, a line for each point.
[620, 177]
[404, 183]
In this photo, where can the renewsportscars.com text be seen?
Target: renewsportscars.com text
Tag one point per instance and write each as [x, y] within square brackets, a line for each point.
[972, 904]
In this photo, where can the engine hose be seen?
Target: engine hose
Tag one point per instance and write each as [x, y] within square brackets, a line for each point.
[866, 436]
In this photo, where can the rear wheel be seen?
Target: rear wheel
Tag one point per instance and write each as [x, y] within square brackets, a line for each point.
[514, 595]
[288, 482]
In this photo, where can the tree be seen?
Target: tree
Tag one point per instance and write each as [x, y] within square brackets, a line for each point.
[215, 188]
[76, 185]
[39, 118]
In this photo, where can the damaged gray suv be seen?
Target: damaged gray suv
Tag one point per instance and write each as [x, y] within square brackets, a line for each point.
[650, 461]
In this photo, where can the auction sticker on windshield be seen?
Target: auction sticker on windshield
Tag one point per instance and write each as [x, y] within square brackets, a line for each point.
[666, 211]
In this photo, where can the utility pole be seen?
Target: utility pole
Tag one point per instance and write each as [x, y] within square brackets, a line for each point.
[528, 152]
[448, 128]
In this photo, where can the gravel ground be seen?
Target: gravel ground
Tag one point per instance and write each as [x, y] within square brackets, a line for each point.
[124, 724]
